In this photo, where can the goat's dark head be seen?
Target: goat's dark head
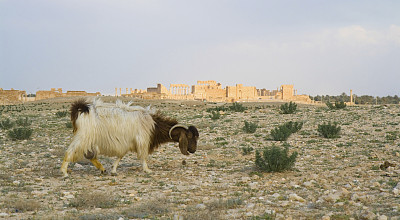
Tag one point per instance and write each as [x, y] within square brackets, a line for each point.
[187, 137]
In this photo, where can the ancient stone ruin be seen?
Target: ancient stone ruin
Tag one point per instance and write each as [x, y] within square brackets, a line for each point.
[213, 92]
[17, 96]
[12, 96]
[203, 91]
[53, 93]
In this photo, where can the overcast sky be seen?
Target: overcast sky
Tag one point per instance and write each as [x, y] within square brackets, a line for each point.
[322, 47]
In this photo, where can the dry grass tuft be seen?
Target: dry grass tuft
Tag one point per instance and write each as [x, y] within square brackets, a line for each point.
[93, 200]
[21, 205]
[156, 207]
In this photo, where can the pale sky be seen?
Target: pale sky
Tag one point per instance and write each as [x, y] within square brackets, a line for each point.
[322, 47]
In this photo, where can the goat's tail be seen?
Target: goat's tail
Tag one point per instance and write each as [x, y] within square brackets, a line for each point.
[78, 107]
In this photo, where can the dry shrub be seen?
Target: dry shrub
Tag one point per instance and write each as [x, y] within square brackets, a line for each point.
[93, 200]
[21, 205]
[152, 208]
[206, 147]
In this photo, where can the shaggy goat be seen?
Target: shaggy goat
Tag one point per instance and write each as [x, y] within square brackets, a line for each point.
[116, 129]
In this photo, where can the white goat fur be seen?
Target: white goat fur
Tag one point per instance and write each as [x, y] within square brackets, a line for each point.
[111, 130]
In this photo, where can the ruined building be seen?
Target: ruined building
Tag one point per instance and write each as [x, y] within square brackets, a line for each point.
[12, 96]
[213, 92]
[53, 93]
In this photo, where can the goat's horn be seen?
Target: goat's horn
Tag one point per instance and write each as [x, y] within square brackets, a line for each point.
[177, 126]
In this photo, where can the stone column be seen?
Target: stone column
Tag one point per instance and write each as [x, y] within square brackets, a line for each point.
[351, 97]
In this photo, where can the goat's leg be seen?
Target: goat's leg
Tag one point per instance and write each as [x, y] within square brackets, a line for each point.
[115, 165]
[64, 167]
[145, 167]
[98, 165]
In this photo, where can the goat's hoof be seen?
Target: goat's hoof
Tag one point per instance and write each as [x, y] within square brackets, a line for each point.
[104, 172]
[114, 174]
[147, 171]
[65, 176]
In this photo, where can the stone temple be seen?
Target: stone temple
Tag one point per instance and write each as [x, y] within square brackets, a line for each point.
[212, 91]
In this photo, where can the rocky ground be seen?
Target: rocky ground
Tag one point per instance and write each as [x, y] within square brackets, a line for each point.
[337, 178]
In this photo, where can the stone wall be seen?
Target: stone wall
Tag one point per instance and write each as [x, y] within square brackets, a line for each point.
[12, 96]
[53, 93]
[240, 92]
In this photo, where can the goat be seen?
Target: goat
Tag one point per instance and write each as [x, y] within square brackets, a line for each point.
[116, 129]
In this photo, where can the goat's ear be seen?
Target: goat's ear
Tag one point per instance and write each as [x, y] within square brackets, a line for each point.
[183, 143]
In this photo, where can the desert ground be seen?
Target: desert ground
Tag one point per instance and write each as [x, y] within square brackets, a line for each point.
[339, 178]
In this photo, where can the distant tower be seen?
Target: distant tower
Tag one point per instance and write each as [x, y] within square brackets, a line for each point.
[116, 92]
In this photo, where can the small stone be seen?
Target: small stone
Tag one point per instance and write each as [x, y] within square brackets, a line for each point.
[333, 197]
[276, 195]
[396, 191]
[326, 217]
[200, 206]
[78, 166]
[269, 212]
[295, 197]
[3, 214]
[70, 196]
[383, 217]
[284, 203]
[253, 185]
[250, 206]
[178, 217]
[246, 179]
[307, 184]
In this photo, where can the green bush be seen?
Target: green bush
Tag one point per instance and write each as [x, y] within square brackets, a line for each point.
[275, 159]
[217, 109]
[288, 108]
[237, 107]
[6, 124]
[338, 105]
[24, 122]
[329, 130]
[247, 150]
[215, 115]
[61, 114]
[250, 127]
[283, 132]
[68, 124]
[20, 133]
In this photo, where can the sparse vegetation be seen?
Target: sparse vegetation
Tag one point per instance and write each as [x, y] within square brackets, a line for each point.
[6, 124]
[61, 114]
[283, 132]
[249, 127]
[247, 150]
[221, 180]
[24, 122]
[275, 159]
[288, 108]
[215, 115]
[337, 105]
[21, 205]
[22, 133]
[237, 107]
[93, 200]
[329, 130]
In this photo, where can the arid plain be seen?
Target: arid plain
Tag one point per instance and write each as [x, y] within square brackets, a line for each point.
[337, 178]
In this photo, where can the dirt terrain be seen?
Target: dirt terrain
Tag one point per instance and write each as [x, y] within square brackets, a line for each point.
[339, 178]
